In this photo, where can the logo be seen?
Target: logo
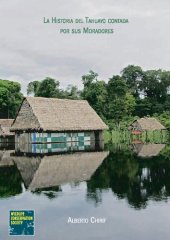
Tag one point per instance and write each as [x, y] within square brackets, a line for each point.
[21, 222]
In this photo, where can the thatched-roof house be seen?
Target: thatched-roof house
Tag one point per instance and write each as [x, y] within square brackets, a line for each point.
[5, 134]
[56, 120]
[148, 149]
[146, 124]
[50, 171]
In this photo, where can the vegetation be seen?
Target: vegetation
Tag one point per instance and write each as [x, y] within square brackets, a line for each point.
[49, 88]
[130, 177]
[125, 97]
[120, 100]
[124, 136]
[10, 98]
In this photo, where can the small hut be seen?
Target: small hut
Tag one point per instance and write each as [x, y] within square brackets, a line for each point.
[50, 120]
[145, 124]
[5, 134]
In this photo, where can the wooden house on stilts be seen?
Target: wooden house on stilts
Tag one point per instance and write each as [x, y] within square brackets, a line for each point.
[146, 125]
[49, 120]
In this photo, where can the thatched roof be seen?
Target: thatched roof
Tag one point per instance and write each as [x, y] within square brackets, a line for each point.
[52, 114]
[148, 149]
[147, 124]
[5, 125]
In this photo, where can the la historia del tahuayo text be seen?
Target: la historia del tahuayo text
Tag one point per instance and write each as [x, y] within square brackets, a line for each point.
[87, 20]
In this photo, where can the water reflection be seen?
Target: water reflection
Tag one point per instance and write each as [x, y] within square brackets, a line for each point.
[55, 170]
[137, 172]
[46, 173]
[133, 178]
[59, 147]
[10, 178]
[147, 149]
[7, 146]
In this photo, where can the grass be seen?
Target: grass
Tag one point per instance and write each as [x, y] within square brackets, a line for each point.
[126, 137]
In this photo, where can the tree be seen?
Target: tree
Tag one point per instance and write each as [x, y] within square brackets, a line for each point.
[48, 88]
[89, 78]
[10, 98]
[71, 92]
[95, 92]
[155, 84]
[120, 102]
[32, 87]
[133, 76]
[155, 87]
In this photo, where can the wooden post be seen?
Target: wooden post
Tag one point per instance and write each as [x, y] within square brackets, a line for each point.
[99, 142]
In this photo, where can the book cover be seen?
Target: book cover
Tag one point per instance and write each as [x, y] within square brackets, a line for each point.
[84, 119]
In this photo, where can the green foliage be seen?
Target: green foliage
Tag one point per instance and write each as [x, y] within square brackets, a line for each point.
[134, 92]
[49, 88]
[118, 136]
[32, 87]
[164, 118]
[133, 76]
[10, 98]
[154, 84]
[95, 93]
[71, 92]
[123, 124]
[107, 136]
[88, 79]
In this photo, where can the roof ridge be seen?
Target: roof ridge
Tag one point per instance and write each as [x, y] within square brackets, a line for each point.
[60, 99]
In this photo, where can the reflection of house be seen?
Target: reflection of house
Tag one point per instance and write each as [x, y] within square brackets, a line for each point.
[148, 149]
[146, 124]
[5, 158]
[59, 147]
[55, 170]
[27, 167]
[50, 120]
[5, 134]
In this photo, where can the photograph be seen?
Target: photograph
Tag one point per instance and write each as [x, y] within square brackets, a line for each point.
[84, 120]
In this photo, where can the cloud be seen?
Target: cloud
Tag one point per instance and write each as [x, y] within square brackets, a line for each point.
[31, 50]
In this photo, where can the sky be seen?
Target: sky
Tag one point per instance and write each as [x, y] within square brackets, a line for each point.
[31, 50]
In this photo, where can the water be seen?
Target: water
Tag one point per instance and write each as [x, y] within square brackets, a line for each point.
[125, 187]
